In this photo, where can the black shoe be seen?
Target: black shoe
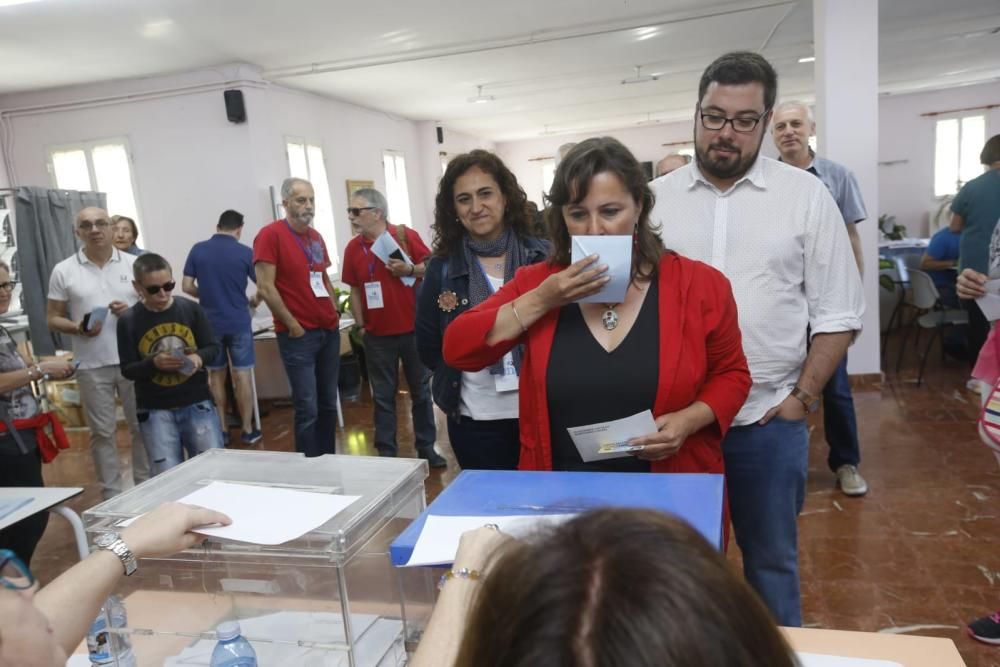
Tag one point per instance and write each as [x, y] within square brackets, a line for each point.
[986, 629]
[383, 450]
[433, 459]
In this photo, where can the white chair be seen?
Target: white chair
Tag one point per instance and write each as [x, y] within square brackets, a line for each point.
[932, 315]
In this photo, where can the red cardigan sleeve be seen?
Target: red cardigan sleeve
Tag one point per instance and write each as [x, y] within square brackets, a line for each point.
[727, 381]
[465, 346]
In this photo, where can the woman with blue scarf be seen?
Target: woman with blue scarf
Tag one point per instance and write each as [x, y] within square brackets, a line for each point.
[481, 238]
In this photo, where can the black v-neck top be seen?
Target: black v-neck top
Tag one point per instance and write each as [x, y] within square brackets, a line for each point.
[586, 384]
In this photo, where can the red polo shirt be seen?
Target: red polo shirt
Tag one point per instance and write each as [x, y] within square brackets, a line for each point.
[294, 257]
[361, 266]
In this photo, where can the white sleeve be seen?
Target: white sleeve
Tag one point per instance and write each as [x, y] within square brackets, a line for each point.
[57, 285]
[832, 283]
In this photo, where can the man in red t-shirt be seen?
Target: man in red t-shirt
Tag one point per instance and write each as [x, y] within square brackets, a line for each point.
[291, 262]
[386, 308]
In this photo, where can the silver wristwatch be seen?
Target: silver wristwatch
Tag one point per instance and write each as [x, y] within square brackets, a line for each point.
[113, 542]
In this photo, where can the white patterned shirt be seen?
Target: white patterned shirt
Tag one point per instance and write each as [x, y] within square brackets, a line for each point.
[779, 237]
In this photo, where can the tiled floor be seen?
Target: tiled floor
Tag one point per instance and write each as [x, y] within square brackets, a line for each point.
[918, 554]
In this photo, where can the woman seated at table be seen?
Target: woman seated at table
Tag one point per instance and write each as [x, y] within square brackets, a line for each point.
[481, 238]
[672, 345]
[611, 587]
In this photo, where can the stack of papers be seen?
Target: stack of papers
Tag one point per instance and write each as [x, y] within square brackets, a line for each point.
[438, 541]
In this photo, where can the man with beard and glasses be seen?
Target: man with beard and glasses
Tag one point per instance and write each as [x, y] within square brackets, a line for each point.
[776, 233]
[291, 263]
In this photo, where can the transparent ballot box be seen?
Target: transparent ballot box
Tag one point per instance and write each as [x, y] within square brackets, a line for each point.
[329, 598]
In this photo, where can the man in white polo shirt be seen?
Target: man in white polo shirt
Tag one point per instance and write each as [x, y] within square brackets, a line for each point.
[87, 292]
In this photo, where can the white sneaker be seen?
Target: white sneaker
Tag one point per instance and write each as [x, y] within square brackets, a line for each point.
[850, 481]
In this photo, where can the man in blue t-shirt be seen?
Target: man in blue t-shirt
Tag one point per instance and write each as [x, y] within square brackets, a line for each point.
[216, 273]
[940, 261]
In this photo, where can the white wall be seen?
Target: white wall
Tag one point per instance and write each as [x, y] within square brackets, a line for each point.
[431, 152]
[190, 163]
[906, 189]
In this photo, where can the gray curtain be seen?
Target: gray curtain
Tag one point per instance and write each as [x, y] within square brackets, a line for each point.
[43, 220]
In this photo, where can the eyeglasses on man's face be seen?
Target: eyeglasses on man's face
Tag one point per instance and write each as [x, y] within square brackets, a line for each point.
[742, 124]
[14, 574]
[87, 225]
[355, 211]
[8, 286]
[152, 290]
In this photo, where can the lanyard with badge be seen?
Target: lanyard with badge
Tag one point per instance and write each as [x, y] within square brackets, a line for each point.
[315, 277]
[509, 380]
[373, 288]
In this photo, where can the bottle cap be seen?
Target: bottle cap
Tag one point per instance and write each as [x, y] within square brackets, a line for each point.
[228, 630]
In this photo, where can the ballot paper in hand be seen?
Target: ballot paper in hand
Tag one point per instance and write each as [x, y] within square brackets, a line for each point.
[990, 304]
[386, 248]
[438, 541]
[610, 440]
[265, 514]
[616, 252]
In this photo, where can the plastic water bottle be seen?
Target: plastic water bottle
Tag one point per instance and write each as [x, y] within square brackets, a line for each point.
[107, 648]
[233, 650]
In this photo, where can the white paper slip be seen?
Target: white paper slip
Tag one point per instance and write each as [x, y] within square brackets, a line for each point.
[266, 515]
[818, 660]
[616, 252]
[386, 248]
[990, 304]
[438, 541]
[609, 440]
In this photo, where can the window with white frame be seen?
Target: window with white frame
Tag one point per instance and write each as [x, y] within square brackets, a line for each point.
[957, 143]
[98, 166]
[548, 175]
[306, 161]
[396, 192]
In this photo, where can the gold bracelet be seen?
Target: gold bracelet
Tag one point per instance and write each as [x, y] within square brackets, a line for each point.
[460, 573]
[517, 317]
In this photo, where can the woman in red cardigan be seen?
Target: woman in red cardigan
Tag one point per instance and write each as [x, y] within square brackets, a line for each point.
[586, 363]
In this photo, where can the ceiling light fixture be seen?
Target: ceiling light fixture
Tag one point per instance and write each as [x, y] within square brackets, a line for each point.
[640, 78]
[807, 59]
[480, 98]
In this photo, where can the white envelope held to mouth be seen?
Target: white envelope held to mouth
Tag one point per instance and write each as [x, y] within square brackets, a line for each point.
[616, 252]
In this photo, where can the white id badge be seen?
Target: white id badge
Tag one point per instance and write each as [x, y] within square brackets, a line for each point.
[509, 380]
[316, 282]
[373, 295]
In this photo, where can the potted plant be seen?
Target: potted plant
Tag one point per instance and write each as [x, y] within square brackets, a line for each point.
[890, 230]
[352, 365]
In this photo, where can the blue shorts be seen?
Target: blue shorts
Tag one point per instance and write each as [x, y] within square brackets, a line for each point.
[237, 349]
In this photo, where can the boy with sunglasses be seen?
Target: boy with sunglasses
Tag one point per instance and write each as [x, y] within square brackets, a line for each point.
[164, 344]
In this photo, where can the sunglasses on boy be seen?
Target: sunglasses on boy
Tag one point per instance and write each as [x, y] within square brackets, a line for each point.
[155, 289]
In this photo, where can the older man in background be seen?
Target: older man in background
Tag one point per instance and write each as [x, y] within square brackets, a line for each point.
[87, 293]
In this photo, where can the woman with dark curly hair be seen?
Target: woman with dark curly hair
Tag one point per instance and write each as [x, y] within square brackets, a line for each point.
[672, 345]
[481, 238]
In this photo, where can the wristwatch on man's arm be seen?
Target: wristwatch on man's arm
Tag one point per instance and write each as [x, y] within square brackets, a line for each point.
[114, 543]
[811, 402]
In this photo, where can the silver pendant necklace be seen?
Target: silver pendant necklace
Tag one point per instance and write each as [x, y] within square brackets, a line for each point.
[610, 317]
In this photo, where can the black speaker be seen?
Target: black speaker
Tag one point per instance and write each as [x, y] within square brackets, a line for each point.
[440, 134]
[236, 111]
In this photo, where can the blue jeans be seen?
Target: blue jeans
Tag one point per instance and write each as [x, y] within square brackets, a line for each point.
[839, 421]
[490, 444]
[382, 355]
[168, 434]
[766, 481]
[237, 349]
[312, 363]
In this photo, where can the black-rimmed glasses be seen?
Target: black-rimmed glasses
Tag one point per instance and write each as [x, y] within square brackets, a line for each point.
[9, 285]
[742, 124]
[155, 289]
[14, 574]
[355, 211]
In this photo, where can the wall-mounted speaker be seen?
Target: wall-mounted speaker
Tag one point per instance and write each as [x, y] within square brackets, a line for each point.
[236, 111]
[440, 131]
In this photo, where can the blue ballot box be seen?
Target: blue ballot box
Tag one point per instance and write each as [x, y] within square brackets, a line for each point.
[696, 498]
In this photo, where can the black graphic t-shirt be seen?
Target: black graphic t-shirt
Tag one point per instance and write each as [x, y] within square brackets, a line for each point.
[142, 334]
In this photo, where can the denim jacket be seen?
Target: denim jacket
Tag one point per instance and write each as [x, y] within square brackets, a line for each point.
[446, 276]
